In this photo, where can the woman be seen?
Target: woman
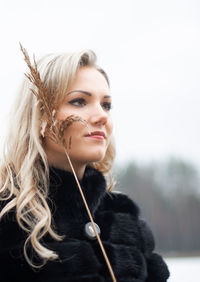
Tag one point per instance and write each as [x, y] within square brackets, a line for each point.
[44, 232]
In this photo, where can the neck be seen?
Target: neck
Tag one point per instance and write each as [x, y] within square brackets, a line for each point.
[63, 163]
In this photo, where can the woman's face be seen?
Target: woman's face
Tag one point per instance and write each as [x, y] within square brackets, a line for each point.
[89, 98]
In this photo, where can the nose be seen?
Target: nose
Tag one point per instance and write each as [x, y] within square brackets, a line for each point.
[99, 116]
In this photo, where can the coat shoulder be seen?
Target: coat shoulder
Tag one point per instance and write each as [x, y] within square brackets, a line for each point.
[120, 203]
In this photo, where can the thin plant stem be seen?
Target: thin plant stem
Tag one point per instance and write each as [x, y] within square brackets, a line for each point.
[91, 219]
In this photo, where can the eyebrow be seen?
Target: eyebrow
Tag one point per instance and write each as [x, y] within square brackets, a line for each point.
[86, 93]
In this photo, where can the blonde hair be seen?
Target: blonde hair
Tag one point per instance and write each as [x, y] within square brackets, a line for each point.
[24, 171]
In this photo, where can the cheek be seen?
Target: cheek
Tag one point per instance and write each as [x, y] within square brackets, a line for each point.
[109, 132]
[62, 114]
[110, 127]
[65, 110]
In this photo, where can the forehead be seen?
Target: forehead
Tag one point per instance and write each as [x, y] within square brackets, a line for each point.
[89, 78]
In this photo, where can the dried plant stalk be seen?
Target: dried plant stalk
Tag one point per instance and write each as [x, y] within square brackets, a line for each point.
[65, 124]
[45, 97]
[56, 131]
[47, 103]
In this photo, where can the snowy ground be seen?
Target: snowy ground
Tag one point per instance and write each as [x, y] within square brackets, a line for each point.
[184, 269]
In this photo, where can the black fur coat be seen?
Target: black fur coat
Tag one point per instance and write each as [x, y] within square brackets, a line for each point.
[127, 239]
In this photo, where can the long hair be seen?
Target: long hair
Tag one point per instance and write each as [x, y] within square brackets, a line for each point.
[24, 172]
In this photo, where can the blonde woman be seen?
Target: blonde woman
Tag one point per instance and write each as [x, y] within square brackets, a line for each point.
[45, 231]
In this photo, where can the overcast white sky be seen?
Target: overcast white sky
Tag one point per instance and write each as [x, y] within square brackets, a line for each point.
[149, 48]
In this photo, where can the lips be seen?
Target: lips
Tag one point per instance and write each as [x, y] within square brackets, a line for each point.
[98, 134]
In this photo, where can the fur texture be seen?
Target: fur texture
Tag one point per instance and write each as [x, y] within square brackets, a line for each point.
[127, 239]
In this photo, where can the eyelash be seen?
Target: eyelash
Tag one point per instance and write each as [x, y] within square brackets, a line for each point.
[80, 102]
[107, 106]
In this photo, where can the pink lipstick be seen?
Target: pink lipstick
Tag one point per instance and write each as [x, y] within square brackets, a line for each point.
[97, 135]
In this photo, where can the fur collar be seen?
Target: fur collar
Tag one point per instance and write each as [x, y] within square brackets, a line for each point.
[64, 195]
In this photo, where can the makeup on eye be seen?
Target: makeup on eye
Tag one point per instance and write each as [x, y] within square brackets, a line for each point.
[107, 106]
[80, 102]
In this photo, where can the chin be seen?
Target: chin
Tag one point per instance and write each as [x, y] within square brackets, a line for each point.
[96, 156]
[88, 155]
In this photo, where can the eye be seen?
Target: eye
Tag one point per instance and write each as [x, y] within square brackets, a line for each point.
[107, 106]
[80, 102]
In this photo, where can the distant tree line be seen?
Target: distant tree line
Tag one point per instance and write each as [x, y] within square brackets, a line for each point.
[168, 195]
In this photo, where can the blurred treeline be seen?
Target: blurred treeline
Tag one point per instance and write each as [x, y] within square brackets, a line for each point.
[168, 194]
